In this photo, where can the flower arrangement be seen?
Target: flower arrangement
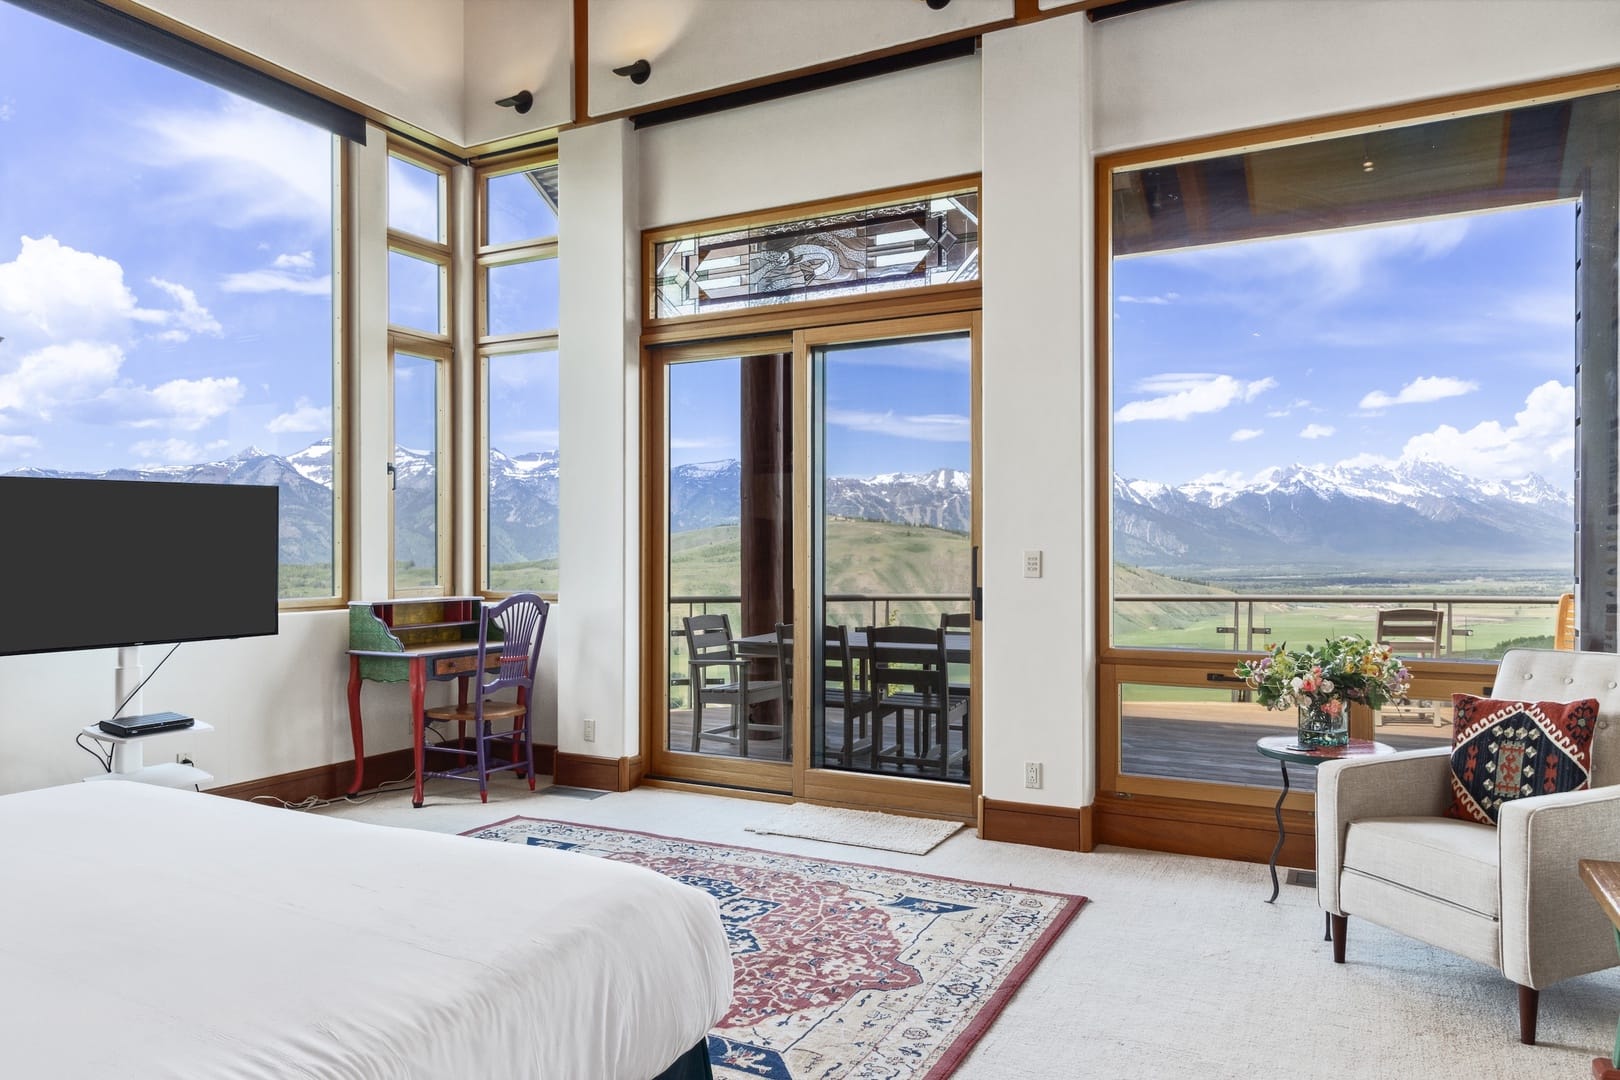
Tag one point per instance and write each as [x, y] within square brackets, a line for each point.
[1321, 680]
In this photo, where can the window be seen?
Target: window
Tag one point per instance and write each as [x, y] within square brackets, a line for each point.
[167, 284]
[924, 240]
[1344, 379]
[519, 369]
[420, 353]
[1357, 383]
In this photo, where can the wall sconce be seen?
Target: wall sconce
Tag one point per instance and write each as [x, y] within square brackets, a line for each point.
[637, 72]
[522, 101]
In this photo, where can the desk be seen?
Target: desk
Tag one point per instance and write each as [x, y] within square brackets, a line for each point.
[410, 641]
[1284, 749]
[1603, 879]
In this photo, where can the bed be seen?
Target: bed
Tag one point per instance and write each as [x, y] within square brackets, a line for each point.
[158, 933]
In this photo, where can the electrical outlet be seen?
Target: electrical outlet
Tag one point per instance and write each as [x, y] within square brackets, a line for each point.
[590, 731]
[184, 758]
[1032, 564]
[1032, 774]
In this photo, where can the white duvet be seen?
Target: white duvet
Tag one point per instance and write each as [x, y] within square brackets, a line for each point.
[147, 933]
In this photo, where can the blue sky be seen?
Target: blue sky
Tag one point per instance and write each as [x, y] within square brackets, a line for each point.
[165, 263]
[1450, 339]
[900, 407]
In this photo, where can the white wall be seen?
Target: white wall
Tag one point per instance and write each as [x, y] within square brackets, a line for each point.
[514, 45]
[697, 45]
[921, 124]
[598, 654]
[1035, 415]
[1208, 66]
[402, 57]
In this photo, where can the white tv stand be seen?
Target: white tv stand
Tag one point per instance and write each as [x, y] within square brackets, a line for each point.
[127, 763]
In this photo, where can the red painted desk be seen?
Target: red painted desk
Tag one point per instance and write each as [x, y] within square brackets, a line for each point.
[413, 641]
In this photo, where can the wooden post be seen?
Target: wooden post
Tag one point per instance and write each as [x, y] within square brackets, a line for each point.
[766, 523]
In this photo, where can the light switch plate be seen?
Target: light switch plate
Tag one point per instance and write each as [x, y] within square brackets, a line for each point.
[1032, 564]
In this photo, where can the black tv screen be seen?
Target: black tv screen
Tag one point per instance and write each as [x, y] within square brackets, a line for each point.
[98, 563]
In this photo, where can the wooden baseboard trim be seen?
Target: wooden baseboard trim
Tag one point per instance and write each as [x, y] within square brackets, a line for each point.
[1214, 830]
[1064, 828]
[332, 781]
[603, 773]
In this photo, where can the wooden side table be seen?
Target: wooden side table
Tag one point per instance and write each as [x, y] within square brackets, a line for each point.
[1285, 749]
[1603, 879]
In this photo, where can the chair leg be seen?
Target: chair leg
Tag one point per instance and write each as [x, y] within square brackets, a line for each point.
[1529, 1005]
[1341, 923]
[528, 743]
[697, 717]
[482, 735]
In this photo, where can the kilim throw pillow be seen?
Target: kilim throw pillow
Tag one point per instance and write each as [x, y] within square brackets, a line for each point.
[1505, 750]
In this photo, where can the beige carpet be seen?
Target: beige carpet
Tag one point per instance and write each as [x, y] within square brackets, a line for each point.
[858, 828]
[1177, 967]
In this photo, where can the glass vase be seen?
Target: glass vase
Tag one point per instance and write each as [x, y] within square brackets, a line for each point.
[1318, 728]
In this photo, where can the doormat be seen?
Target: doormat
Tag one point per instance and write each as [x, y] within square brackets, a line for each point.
[859, 828]
[843, 971]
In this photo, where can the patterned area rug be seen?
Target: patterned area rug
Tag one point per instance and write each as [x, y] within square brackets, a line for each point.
[842, 970]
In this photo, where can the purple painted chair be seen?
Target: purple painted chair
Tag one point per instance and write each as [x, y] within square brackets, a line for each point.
[509, 634]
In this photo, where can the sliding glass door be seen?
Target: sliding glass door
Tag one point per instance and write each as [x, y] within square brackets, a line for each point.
[815, 510]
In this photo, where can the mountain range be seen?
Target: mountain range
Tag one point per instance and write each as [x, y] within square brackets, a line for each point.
[1361, 517]
[1296, 516]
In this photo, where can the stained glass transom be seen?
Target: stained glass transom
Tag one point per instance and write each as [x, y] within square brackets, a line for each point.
[931, 241]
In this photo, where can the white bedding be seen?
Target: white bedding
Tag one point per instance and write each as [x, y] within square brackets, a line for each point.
[146, 932]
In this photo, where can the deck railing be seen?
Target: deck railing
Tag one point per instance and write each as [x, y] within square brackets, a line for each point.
[1246, 625]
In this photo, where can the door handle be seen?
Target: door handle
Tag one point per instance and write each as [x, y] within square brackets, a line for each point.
[978, 590]
[390, 476]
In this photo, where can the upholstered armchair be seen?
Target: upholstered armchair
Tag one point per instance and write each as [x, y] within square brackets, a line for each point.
[1509, 896]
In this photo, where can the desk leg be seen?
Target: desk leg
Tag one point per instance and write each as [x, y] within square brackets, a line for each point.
[355, 732]
[418, 692]
[1276, 887]
[1609, 1068]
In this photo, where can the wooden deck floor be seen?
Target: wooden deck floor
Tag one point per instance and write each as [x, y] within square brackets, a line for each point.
[764, 744]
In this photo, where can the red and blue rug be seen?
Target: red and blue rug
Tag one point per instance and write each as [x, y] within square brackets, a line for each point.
[842, 970]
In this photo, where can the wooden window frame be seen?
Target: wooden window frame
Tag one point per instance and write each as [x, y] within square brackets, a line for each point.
[487, 345]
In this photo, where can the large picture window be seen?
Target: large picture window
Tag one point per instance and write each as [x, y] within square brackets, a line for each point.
[519, 372]
[166, 285]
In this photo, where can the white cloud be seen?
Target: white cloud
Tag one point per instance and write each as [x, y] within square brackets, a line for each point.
[7, 110]
[1316, 431]
[1424, 389]
[303, 260]
[245, 163]
[60, 293]
[1245, 434]
[938, 427]
[172, 451]
[183, 404]
[12, 446]
[1541, 439]
[1183, 395]
[304, 418]
[263, 281]
[1167, 298]
[706, 442]
[1327, 266]
[58, 375]
[190, 318]
[1302, 403]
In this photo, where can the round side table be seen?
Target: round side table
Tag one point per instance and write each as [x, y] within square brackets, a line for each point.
[1285, 750]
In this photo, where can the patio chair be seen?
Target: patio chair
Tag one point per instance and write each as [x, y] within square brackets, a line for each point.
[1510, 896]
[842, 688]
[1417, 633]
[711, 651]
[910, 674]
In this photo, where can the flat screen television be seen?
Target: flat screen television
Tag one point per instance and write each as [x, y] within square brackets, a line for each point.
[92, 564]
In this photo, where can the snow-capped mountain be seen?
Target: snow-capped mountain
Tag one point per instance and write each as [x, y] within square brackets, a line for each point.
[1346, 515]
[708, 493]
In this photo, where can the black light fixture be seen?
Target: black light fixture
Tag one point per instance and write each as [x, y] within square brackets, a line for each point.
[937, 5]
[637, 72]
[522, 101]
